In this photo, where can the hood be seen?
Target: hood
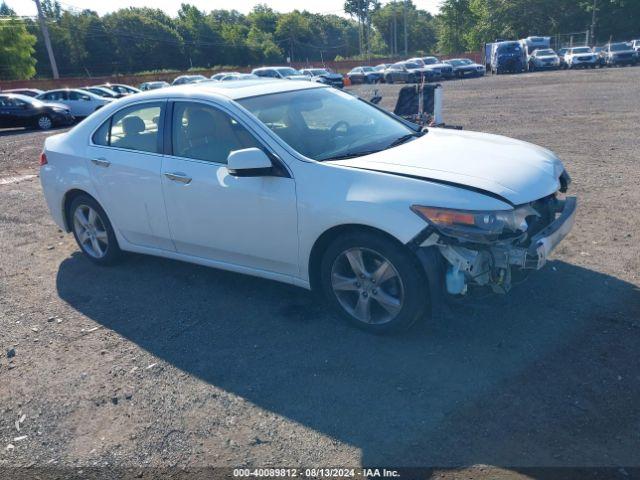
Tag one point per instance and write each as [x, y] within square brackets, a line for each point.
[298, 77]
[515, 170]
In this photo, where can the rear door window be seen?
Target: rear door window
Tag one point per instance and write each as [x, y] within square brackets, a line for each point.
[132, 128]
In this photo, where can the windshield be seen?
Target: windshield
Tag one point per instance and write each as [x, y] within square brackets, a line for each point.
[430, 60]
[581, 50]
[368, 69]
[288, 72]
[458, 63]
[417, 61]
[619, 47]
[544, 53]
[511, 47]
[411, 65]
[318, 71]
[323, 123]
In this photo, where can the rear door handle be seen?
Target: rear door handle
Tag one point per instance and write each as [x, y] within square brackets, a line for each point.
[178, 177]
[101, 162]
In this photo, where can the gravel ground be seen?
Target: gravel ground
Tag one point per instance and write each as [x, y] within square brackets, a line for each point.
[162, 364]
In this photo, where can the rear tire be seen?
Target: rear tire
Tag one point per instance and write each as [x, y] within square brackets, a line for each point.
[374, 283]
[93, 231]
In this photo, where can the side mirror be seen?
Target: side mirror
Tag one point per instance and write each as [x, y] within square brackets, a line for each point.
[249, 162]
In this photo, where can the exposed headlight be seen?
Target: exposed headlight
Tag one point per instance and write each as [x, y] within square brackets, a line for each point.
[479, 226]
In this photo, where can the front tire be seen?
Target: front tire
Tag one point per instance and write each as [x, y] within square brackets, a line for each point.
[44, 122]
[373, 282]
[93, 231]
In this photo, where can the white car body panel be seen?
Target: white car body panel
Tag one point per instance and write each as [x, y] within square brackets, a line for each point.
[78, 108]
[516, 170]
[267, 226]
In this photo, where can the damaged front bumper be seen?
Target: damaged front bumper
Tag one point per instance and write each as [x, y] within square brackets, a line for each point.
[492, 264]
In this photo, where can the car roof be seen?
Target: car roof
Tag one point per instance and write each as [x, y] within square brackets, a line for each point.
[234, 89]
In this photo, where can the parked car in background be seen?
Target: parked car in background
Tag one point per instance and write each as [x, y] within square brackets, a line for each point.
[364, 74]
[531, 44]
[29, 92]
[323, 75]
[580, 57]
[465, 67]
[102, 92]
[543, 59]
[153, 85]
[120, 88]
[23, 111]
[79, 102]
[185, 79]
[315, 188]
[397, 73]
[599, 58]
[561, 52]
[285, 73]
[618, 54]
[219, 75]
[507, 57]
[419, 72]
[442, 69]
[238, 76]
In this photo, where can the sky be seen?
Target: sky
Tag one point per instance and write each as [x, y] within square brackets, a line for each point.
[27, 7]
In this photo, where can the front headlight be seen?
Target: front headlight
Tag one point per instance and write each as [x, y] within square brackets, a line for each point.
[478, 226]
[60, 110]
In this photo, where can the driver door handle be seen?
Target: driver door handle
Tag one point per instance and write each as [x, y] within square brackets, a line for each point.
[178, 177]
[101, 162]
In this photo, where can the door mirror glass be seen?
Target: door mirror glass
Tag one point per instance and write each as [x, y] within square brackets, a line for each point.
[249, 162]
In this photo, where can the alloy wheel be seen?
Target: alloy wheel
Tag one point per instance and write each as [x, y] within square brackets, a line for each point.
[367, 285]
[44, 123]
[91, 231]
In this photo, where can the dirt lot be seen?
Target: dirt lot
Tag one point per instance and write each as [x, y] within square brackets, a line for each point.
[158, 363]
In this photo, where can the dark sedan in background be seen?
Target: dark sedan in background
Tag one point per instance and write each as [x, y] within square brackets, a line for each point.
[364, 75]
[29, 92]
[397, 73]
[22, 111]
[322, 75]
[465, 67]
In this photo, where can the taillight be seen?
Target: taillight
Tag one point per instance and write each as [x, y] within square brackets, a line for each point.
[43, 159]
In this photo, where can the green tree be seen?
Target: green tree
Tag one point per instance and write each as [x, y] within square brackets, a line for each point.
[421, 34]
[453, 24]
[293, 30]
[16, 49]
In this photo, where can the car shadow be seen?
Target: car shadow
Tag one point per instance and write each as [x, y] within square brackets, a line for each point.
[547, 375]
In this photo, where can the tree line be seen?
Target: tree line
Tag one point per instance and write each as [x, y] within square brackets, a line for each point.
[134, 40]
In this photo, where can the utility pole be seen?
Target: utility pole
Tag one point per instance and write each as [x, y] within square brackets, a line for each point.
[47, 41]
[404, 21]
[593, 21]
[395, 30]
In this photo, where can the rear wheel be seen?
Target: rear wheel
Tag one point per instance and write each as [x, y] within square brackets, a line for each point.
[93, 231]
[374, 282]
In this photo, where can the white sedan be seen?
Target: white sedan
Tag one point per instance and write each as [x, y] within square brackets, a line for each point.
[81, 103]
[305, 184]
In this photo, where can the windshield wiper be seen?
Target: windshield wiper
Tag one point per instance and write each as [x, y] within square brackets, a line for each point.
[344, 156]
[406, 138]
